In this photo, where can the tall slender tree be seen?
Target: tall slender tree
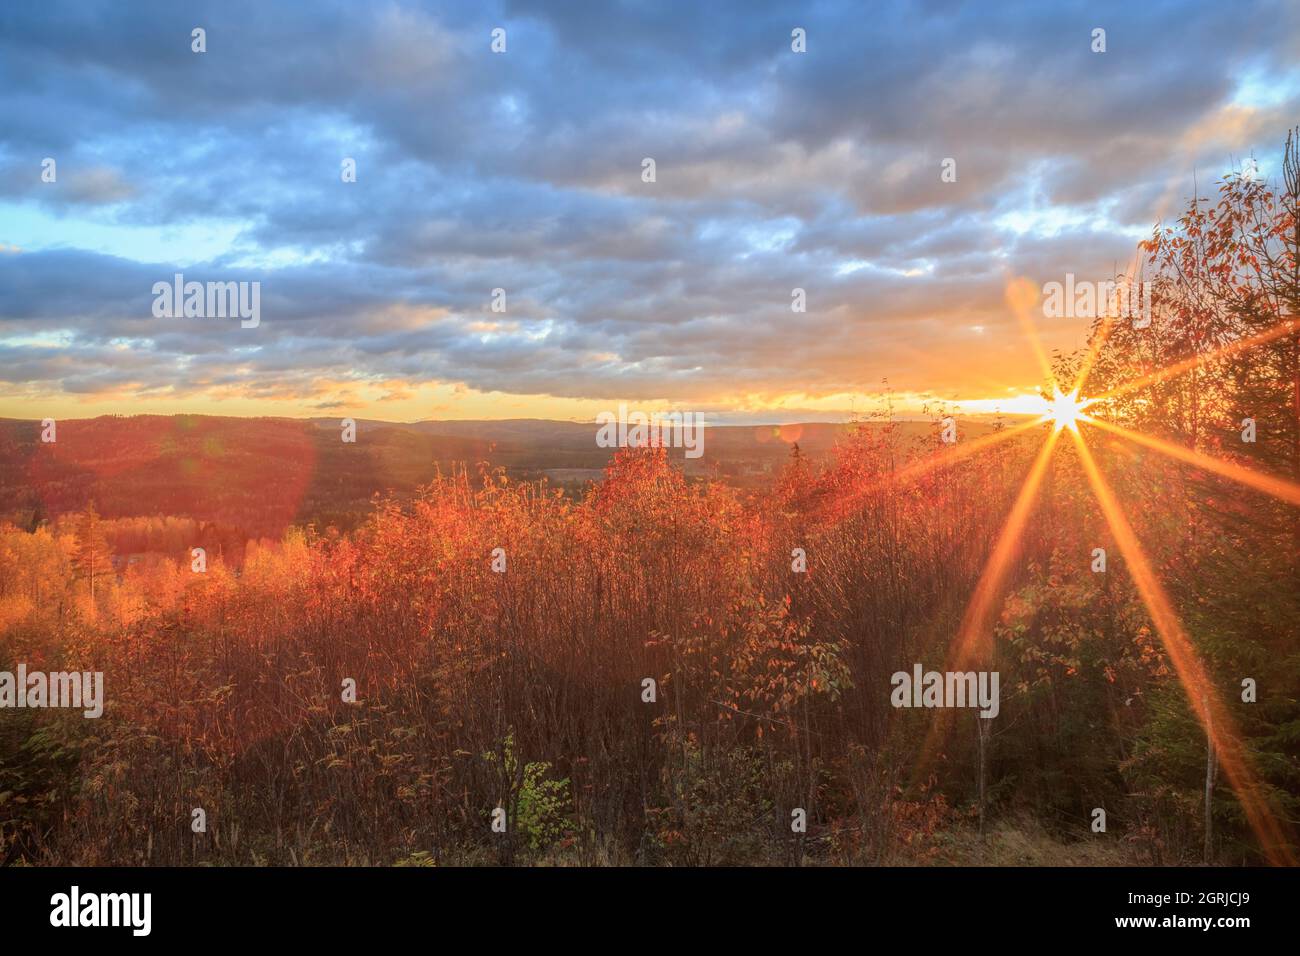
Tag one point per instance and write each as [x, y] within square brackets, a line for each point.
[94, 557]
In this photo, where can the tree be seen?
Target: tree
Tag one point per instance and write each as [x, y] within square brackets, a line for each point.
[38, 516]
[94, 557]
[1227, 287]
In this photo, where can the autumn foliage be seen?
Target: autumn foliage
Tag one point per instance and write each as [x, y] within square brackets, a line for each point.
[527, 690]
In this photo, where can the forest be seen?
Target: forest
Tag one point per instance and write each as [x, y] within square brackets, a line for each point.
[646, 674]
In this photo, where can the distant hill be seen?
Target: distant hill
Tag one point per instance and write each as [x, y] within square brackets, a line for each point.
[259, 475]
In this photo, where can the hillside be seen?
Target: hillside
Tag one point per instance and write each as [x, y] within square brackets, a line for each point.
[259, 475]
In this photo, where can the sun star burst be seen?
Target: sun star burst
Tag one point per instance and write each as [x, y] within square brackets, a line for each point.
[1064, 409]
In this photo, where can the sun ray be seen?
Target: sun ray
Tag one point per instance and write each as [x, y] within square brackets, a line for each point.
[974, 623]
[955, 453]
[1095, 347]
[1022, 295]
[1277, 487]
[1065, 410]
[1224, 351]
[1109, 319]
[1201, 693]
[946, 456]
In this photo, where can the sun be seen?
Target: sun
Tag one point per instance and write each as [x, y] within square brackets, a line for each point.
[1065, 409]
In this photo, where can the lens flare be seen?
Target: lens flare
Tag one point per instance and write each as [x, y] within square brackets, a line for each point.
[1202, 696]
[975, 636]
[1279, 488]
[1065, 408]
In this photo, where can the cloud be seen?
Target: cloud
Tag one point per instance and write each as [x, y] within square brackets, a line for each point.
[522, 171]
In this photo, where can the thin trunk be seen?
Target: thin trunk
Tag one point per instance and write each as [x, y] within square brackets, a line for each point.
[982, 724]
[1211, 771]
[1291, 300]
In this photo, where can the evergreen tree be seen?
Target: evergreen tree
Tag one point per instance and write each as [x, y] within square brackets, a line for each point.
[94, 558]
[38, 516]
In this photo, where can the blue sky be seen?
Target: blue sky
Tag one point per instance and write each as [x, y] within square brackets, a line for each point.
[522, 170]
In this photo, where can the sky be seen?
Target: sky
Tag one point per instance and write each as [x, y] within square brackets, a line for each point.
[522, 171]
